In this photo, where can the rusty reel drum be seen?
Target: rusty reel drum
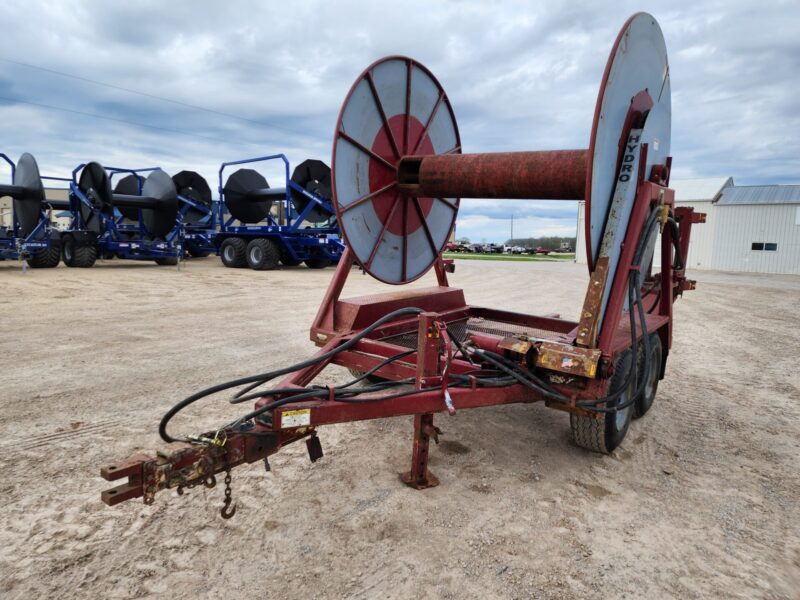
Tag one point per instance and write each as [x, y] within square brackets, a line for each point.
[397, 111]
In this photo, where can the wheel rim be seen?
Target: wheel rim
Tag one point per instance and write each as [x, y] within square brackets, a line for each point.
[256, 254]
[68, 251]
[228, 253]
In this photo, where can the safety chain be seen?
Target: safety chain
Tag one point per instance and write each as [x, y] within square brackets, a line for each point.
[227, 512]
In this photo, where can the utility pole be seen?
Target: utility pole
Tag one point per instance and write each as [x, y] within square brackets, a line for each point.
[512, 229]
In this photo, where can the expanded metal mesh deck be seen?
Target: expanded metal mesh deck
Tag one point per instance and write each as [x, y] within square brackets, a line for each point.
[460, 329]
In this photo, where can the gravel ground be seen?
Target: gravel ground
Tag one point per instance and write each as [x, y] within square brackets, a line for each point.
[701, 500]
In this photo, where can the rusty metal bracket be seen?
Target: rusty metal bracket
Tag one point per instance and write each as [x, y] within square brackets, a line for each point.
[568, 359]
[587, 327]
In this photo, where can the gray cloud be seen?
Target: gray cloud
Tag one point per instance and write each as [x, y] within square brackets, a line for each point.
[520, 76]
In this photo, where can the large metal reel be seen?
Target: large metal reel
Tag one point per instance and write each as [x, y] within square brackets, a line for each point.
[94, 183]
[238, 200]
[395, 108]
[638, 61]
[315, 177]
[28, 207]
[160, 219]
[192, 185]
[130, 186]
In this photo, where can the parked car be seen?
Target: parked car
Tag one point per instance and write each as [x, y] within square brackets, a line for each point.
[517, 250]
[457, 247]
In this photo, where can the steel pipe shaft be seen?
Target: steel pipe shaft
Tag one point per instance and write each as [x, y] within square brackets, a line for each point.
[13, 191]
[545, 175]
[130, 201]
[266, 194]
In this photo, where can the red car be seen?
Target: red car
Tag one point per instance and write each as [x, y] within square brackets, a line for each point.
[539, 250]
[456, 247]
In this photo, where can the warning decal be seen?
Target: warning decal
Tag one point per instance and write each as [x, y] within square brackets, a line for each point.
[295, 418]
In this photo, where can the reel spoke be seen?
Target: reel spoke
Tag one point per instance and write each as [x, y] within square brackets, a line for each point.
[428, 123]
[382, 233]
[379, 106]
[425, 227]
[367, 151]
[370, 196]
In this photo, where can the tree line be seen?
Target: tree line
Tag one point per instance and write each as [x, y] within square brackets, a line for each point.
[551, 242]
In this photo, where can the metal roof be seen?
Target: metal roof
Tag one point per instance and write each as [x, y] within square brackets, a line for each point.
[693, 190]
[761, 194]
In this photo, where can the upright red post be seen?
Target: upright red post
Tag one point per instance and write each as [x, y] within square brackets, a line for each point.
[419, 477]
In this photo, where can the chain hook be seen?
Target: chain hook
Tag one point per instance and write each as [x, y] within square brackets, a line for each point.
[227, 512]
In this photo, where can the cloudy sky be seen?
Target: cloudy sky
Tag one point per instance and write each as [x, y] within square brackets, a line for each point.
[190, 84]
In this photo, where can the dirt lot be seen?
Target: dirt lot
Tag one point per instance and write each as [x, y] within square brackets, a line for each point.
[700, 501]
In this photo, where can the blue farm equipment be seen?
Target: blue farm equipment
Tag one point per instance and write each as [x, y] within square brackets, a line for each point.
[31, 236]
[196, 209]
[199, 213]
[289, 225]
[141, 220]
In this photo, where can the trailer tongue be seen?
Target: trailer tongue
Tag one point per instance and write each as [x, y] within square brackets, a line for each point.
[397, 178]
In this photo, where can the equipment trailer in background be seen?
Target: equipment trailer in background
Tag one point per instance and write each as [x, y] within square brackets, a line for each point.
[32, 237]
[398, 175]
[304, 230]
[196, 211]
[130, 226]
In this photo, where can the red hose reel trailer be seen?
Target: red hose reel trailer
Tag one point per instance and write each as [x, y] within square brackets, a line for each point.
[398, 175]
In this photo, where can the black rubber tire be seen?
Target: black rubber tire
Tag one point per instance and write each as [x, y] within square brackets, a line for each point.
[167, 261]
[262, 255]
[288, 261]
[194, 253]
[318, 262]
[68, 250]
[47, 258]
[605, 433]
[645, 400]
[233, 253]
[77, 255]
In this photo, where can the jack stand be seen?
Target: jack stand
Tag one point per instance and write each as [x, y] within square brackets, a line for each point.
[419, 477]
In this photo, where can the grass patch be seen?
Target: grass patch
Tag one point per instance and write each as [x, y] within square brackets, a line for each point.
[512, 257]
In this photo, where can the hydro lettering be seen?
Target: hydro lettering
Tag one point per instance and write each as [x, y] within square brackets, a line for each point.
[628, 159]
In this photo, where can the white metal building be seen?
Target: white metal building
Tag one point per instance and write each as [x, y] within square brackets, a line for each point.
[757, 229]
[747, 228]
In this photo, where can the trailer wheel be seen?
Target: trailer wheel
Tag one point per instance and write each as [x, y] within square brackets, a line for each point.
[605, 433]
[262, 254]
[232, 252]
[318, 263]
[77, 255]
[47, 258]
[645, 400]
[195, 253]
[167, 261]
[288, 261]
